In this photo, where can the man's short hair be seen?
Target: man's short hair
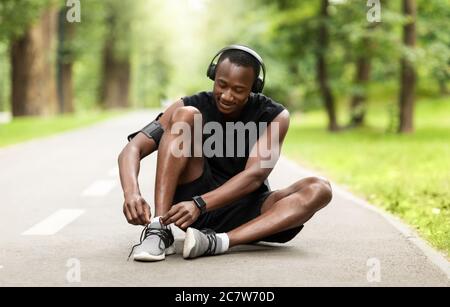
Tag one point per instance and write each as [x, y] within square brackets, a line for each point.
[241, 58]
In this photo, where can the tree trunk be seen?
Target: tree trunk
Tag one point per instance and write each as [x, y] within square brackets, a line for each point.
[443, 90]
[115, 84]
[33, 82]
[65, 90]
[66, 32]
[358, 101]
[408, 74]
[322, 72]
[116, 79]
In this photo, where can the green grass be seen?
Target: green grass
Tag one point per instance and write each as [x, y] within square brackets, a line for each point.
[27, 128]
[408, 175]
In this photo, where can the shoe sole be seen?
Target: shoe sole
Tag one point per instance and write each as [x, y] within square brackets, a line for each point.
[146, 257]
[189, 243]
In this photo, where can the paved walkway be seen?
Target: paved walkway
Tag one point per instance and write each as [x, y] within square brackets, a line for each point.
[61, 210]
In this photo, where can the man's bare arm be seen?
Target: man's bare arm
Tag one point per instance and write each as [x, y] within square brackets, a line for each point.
[135, 208]
[254, 174]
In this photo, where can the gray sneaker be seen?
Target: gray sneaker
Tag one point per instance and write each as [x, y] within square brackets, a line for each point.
[157, 241]
[200, 243]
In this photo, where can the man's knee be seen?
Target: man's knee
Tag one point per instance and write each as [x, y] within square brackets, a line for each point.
[319, 183]
[319, 186]
[186, 115]
[186, 124]
[323, 188]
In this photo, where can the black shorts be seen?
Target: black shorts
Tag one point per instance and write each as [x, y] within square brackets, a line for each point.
[231, 216]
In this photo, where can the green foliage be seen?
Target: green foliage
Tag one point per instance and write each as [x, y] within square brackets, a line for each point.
[434, 39]
[119, 16]
[87, 47]
[17, 15]
[151, 45]
[109, 20]
[170, 43]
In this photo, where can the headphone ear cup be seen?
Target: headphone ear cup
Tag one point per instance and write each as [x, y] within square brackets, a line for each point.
[257, 86]
[211, 73]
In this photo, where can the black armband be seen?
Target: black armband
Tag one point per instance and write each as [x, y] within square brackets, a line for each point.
[154, 131]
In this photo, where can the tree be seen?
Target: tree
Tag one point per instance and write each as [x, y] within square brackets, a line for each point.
[66, 54]
[358, 100]
[364, 46]
[322, 71]
[116, 71]
[435, 37]
[408, 73]
[33, 76]
[29, 28]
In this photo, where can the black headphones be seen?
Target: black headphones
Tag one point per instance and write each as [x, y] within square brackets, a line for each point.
[259, 83]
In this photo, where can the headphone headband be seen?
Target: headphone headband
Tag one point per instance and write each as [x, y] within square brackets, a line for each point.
[259, 83]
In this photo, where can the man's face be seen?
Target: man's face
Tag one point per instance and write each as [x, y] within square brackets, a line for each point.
[232, 86]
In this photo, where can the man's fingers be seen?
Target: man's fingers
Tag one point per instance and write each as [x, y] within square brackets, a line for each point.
[166, 218]
[168, 215]
[130, 218]
[127, 214]
[186, 224]
[177, 216]
[182, 221]
[134, 216]
[163, 218]
[146, 214]
[140, 214]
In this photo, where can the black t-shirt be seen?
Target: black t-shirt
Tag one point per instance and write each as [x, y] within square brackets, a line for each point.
[259, 110]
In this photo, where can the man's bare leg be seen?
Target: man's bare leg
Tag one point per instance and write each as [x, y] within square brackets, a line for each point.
[172, 170]
[284, 209]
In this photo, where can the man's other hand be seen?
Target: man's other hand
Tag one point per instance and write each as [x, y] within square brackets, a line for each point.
[182, 214]
[136, 210]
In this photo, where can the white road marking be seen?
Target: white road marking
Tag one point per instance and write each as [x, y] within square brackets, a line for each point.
[100, 188]
[114, 172]
[54, 222]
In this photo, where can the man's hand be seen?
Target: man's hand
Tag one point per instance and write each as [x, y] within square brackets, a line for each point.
[182, 214]
[136, 210]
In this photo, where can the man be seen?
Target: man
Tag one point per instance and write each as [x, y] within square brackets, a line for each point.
[221, 199]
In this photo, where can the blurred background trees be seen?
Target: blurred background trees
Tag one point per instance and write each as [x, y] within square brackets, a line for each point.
[321, 54]
[356, 76]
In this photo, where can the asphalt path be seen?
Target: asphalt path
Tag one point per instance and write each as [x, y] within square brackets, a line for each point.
[61, 224]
